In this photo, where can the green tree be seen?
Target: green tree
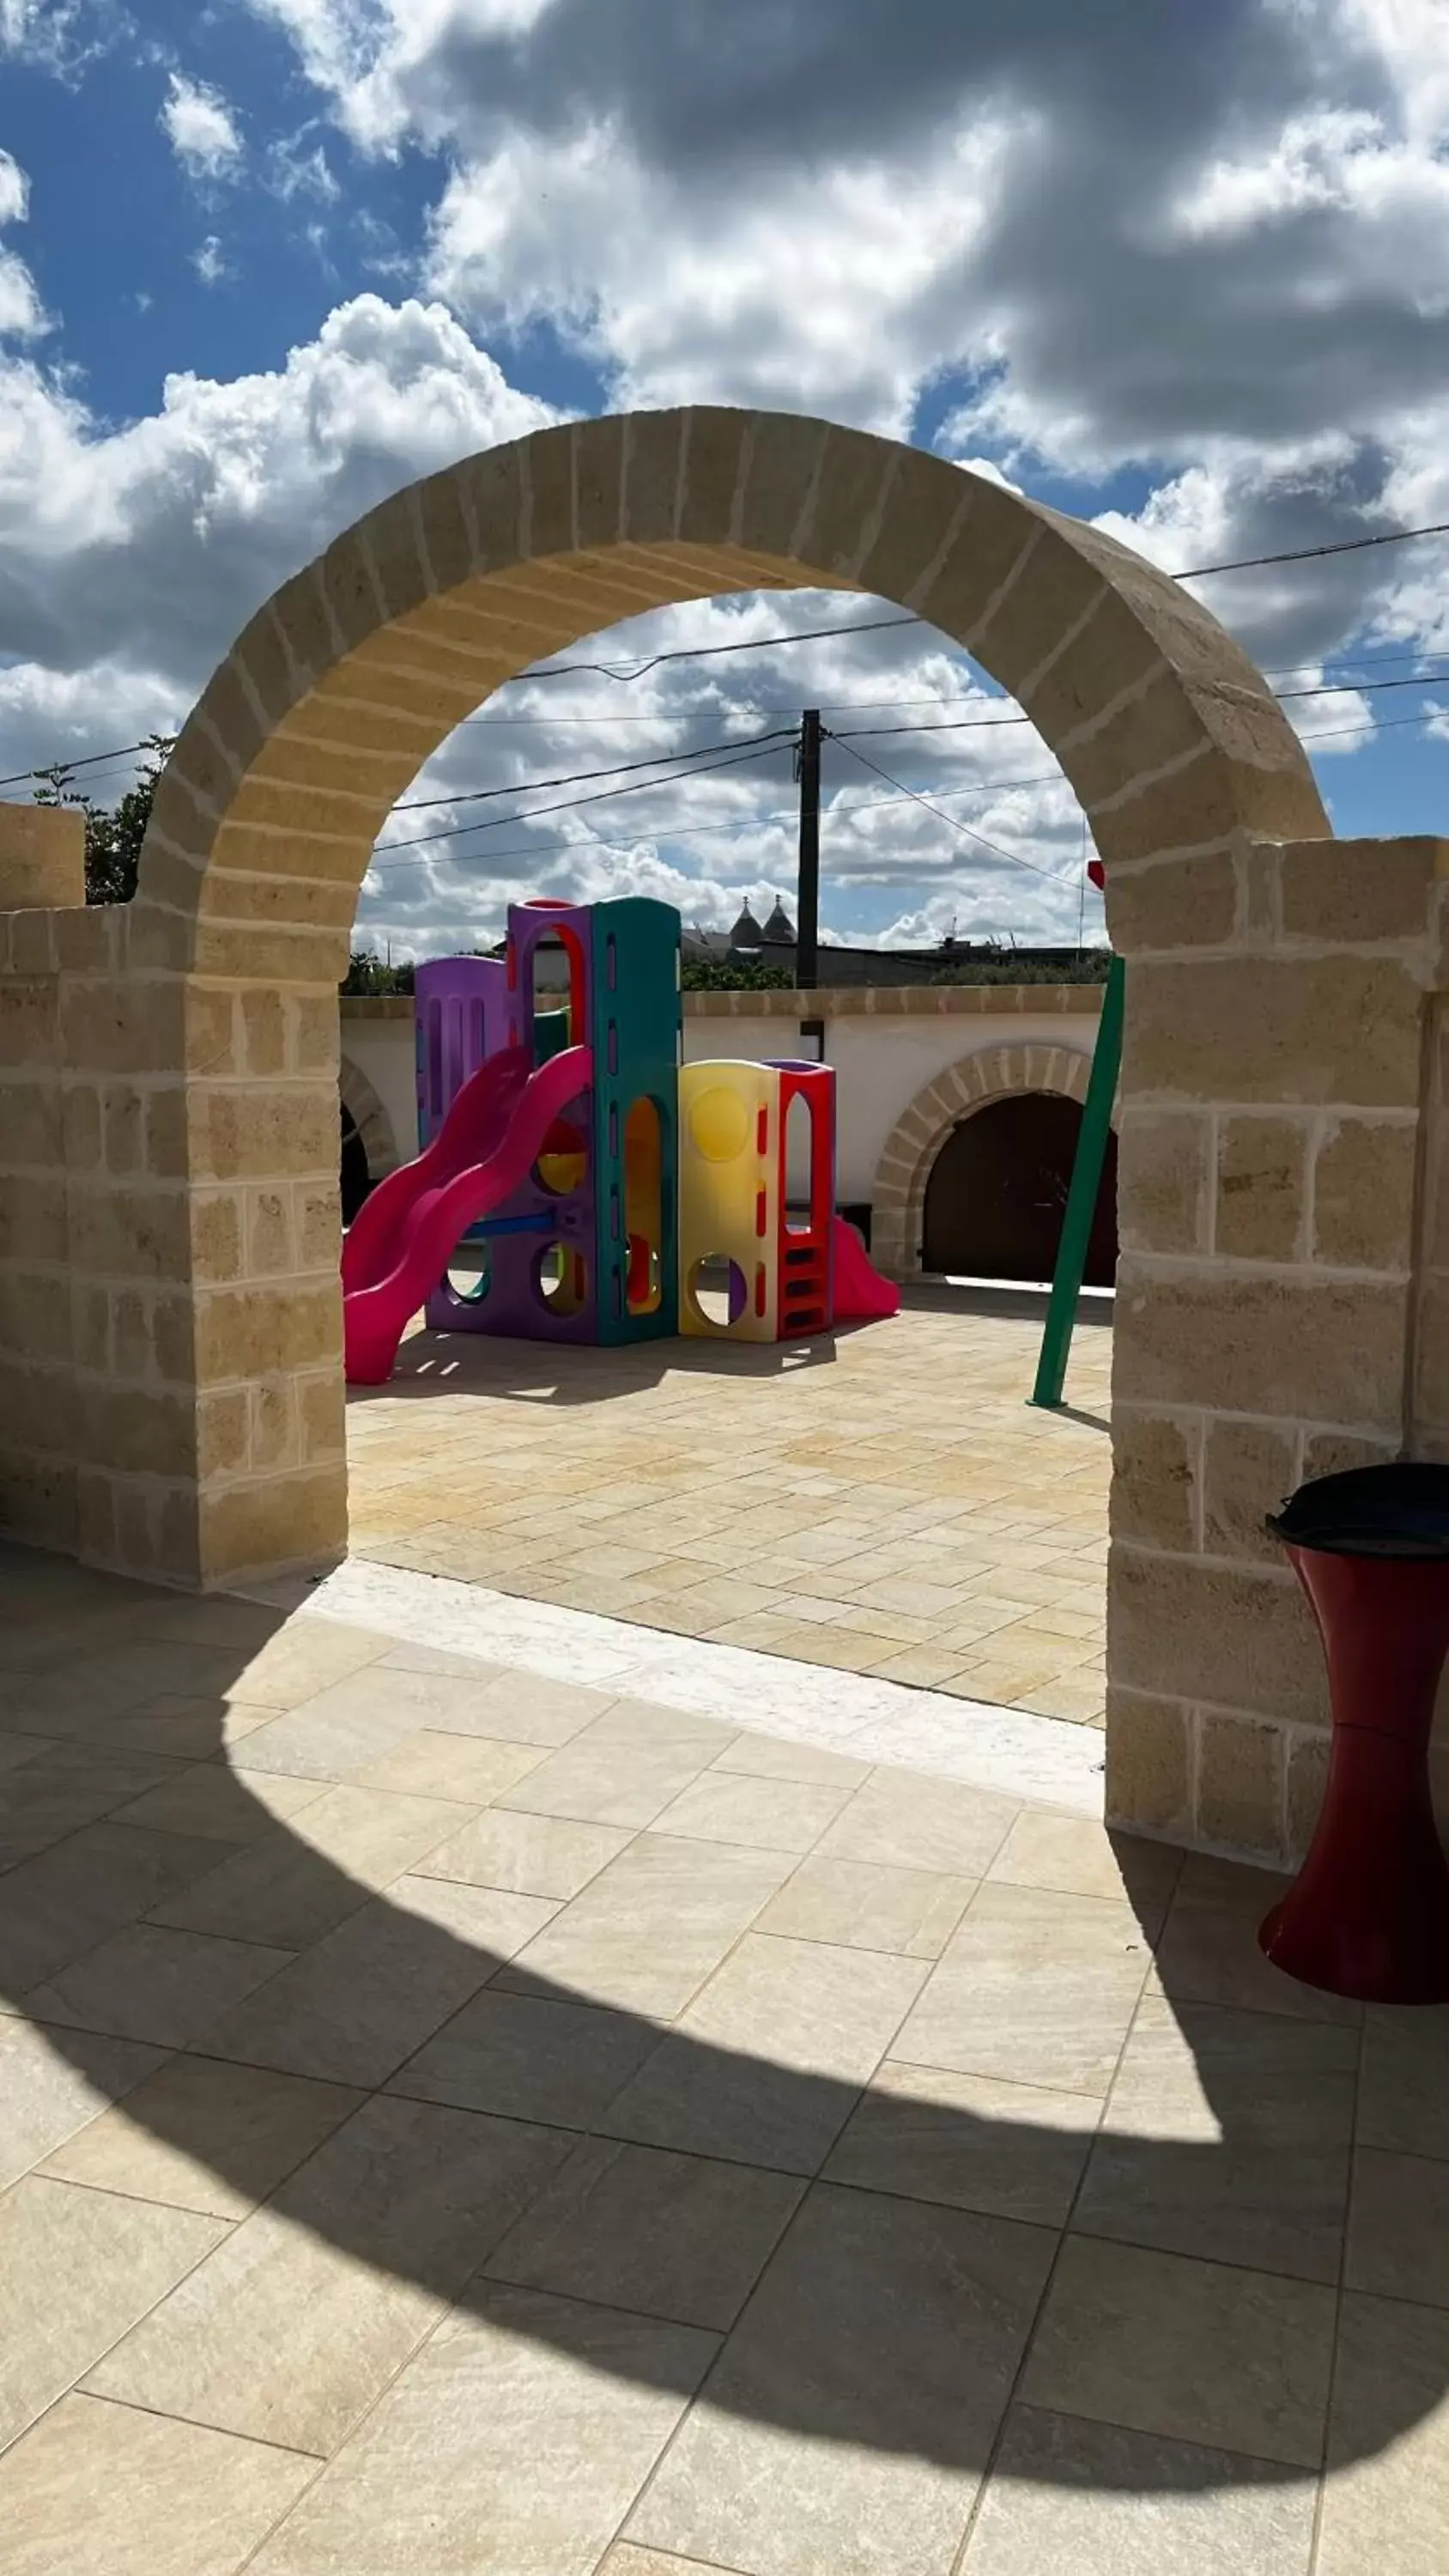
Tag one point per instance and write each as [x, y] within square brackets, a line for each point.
[366, 974]
[716, 975]
[113, 834]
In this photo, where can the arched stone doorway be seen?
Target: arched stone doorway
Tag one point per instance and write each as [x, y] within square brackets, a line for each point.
[369, 1148]
[215, 1447]
[922, 1135]
[996, 1194]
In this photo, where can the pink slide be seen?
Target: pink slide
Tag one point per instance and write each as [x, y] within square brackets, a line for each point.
[861, 1295]
[400, 1242]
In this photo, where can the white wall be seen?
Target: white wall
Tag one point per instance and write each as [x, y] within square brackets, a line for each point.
[881, 1062]
[382, 1049]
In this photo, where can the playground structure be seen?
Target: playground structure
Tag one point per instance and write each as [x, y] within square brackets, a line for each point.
[589, 1188]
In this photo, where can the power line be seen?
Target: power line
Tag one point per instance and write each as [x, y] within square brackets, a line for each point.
[634, 788]
[576, 777]
[1011, 856]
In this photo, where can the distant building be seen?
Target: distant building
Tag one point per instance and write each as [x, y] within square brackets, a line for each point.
[747, 944]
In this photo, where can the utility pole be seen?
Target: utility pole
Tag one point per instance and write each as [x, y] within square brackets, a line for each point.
[807, 896]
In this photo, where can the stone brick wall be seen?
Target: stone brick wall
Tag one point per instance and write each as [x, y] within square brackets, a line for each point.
[1280, 1194]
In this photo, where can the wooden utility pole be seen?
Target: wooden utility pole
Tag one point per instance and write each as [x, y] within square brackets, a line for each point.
[807, 894]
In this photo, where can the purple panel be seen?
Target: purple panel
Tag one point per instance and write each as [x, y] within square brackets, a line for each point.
[461, 1013]
[529, 925]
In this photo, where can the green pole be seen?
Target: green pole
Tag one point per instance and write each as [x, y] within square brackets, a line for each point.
[1056, 1340]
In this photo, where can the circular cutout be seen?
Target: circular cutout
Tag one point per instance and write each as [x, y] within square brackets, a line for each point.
[719, 1125]
[468, 1276]
[717, 1290]
[561, 1279]
[563, 1161]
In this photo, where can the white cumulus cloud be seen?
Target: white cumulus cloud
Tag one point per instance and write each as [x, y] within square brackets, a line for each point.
[201, 129]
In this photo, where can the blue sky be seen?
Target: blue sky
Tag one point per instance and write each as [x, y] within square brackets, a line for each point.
[264, 262]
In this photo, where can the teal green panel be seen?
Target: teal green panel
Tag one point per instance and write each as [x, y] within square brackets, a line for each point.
[636, 1041]
[550, 1034]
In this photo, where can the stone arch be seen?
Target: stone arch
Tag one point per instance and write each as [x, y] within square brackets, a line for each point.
[369, 1116]
[218, 984]
[940, 1105]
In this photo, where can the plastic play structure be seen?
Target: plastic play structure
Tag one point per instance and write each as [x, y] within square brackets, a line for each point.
[577, 1183]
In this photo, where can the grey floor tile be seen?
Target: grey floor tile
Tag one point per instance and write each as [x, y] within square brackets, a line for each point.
[511, 2446]
[651, 1927]
[1226, 2134]
[59, 1905]
[529, 2060]
[1403, 2098]
[908, 1822]
[1386, 2495]
[354, 1723]
[768, 1815]
[670, 2236]
[79, 2268]
[1197, 2351]
[851, 2414]
[201, 2134]
[1082, 2499]
[1398, 2233]
[766, 2064]
[64, 1787]
[294, 2326]
[355, 2005]
[861, 1905]
[1007, 2150]
[296, 1883]
[1035, 1987]
[1209, 1951]
[532, 1855]
[211, 1799]
[148, 1983]
[1080, 1858]
[51, 2087]
[103, 2490]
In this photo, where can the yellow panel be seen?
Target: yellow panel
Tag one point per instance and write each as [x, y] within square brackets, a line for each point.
[721, 1176]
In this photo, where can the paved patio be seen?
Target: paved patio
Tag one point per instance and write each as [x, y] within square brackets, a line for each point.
[463, 2120]
[883, 1500]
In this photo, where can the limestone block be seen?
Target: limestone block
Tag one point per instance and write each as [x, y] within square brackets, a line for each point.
[1262, 1170]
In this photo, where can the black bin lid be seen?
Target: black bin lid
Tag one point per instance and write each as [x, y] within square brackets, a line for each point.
[1399, 1509]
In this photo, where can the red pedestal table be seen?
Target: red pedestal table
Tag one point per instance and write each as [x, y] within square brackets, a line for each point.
[1368, 1915]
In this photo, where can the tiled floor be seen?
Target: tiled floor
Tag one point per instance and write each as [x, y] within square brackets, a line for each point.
[883, 1500]
[460, 2120]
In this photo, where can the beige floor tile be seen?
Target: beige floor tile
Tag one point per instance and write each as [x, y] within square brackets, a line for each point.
[79, 2268]
[351, 1726]
[52, 2086]
[766, 2063]
[1398, 2234]
[528, 2060]
[651, 1927]
[773, 1757]
[1227, 2135]
[513, 2445]
[1092, 2500]
[859, 1905]
[680, 2237]
[302, 1659]
[187, 1730]
[1080, 1703]
[532, 1855]
[149, 1983]
[293, 2327]
[765, 1815]
[1007, 2150]
[1237, 2360]
[1209, 1953]
[1403, 2101]
[852, 2412]
[626, 2560]
[927, 1667]
[907, 1822]
[59, 1905]
[223, 1805]
[352, 2008]
[203, 2135]
[1034, 1987]
[294, 1885]
[1082, 1859]
[466, 1767]
[103, 2490]
[1386, 2495]
[608, 1780]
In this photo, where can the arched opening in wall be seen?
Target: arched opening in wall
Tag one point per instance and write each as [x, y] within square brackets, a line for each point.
[644, 1207]
[997, 1194]
[356, 1178]
[557, 988]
